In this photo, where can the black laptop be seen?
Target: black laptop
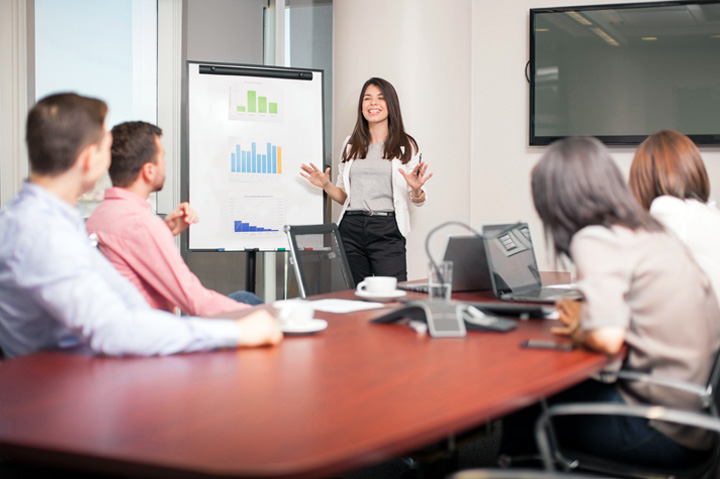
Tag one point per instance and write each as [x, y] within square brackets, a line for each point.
[470, 267]
[514, 271]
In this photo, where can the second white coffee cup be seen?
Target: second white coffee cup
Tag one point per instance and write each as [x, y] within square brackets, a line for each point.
[294, 311]
[378, 285]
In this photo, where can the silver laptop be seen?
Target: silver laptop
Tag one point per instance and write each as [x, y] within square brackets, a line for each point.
[514, 271]
[470, 267]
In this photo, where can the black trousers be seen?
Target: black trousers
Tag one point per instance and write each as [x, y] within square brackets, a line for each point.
[374, 246]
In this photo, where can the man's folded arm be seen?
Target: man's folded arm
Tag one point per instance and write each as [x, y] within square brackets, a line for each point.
[96, 304]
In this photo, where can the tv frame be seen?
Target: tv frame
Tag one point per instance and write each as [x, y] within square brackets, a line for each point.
[534, 140]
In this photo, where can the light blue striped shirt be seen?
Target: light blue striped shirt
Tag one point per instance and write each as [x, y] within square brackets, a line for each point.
[58, 291]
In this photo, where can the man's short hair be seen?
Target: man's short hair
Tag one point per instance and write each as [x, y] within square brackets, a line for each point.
[59, 127]
[133, 146]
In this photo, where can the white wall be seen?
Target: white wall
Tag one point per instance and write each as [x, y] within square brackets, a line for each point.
[423, 48]
[501, 157]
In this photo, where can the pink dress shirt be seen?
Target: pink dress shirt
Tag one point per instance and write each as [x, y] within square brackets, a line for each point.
[142, 248]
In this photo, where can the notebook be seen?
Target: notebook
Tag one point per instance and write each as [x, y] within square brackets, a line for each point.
[515, 275]
[470, 268]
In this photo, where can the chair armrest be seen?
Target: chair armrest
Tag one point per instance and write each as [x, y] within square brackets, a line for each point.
[704, 393]
[516, 474]
[543, 426]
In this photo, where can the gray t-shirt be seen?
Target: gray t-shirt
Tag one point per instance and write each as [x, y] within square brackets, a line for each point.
[649, 284]
[371, 180]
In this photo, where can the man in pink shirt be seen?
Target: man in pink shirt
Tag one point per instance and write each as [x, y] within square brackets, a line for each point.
[140, 244]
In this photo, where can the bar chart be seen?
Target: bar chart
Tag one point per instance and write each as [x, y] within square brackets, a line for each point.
[255, 103]
[241, 227]
[258, 104]
[253, 158]
[257, 213]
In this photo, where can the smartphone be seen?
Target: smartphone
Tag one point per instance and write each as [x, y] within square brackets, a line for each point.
[542, 344]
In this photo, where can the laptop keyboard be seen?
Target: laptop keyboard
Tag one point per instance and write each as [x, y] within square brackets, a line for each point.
[546, 294]
[416, 287]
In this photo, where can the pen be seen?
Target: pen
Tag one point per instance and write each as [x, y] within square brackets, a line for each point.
[420, 162]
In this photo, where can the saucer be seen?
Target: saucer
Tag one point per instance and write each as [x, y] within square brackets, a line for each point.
[382, 297]
[304, 327]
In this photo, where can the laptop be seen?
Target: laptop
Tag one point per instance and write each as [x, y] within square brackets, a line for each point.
[470, 268]
[514, 272]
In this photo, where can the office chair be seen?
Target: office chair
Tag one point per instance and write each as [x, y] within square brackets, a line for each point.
[318, 259]
[707, 398]
[518, 474]
[568, 459]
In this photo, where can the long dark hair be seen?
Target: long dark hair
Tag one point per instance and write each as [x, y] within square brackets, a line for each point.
[398, 143]
[577, 184]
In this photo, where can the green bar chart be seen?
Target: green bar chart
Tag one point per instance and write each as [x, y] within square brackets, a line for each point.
[252, 101]
[248, 102]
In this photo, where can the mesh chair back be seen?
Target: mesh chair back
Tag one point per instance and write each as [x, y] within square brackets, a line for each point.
[318, 259]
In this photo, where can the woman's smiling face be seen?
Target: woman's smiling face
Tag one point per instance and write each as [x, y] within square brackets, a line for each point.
[374, 107]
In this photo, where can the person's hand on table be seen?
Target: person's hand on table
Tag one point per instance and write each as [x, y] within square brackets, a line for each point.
[569, 315]
[607, 340]
[259, 328]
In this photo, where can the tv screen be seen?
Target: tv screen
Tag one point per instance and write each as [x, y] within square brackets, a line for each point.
[623, 72]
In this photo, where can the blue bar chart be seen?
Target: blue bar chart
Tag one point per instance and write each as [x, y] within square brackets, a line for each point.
[252, 158]
[257, 213]
[241, 227]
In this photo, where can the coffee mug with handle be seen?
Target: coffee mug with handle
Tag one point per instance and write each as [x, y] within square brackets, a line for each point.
[378, 285]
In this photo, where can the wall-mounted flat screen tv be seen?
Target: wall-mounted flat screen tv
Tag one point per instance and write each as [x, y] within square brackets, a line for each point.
[623, 72]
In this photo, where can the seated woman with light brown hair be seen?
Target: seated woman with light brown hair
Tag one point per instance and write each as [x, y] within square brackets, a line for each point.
[669, 179]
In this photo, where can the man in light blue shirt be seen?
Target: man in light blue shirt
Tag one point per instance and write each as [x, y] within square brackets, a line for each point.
[56, 290]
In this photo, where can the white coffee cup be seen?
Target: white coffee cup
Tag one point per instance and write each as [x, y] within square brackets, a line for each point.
[294, 311]
[378, 285]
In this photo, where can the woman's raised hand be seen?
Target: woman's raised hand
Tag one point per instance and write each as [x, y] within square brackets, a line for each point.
[417, 177]
[314, 175]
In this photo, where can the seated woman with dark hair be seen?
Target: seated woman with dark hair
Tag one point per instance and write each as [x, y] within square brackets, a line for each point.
[669, 179]
[641, 289]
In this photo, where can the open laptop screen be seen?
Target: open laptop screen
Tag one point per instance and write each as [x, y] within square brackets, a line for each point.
[511, 258]
[470, 268]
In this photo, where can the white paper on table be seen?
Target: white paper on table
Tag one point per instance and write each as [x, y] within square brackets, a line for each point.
[344, 305]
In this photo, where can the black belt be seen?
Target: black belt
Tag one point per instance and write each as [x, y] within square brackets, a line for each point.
[369, 213]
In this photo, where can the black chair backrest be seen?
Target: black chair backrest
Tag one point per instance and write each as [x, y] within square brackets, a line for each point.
[319, 259]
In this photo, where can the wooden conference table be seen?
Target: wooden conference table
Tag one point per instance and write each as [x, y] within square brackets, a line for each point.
[315, 406]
